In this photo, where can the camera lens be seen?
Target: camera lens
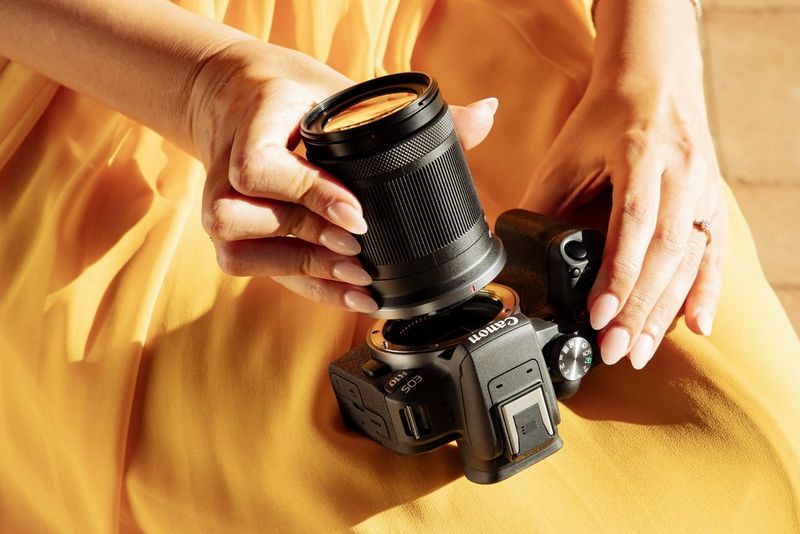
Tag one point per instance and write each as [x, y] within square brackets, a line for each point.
[392, 142]
[368, 110]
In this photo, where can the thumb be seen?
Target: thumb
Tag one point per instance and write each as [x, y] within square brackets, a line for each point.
[474, 121]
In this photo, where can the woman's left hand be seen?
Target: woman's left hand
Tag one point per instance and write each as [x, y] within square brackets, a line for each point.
[648, 136]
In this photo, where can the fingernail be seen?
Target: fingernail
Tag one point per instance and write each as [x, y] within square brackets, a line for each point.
[704, 320]
[642, 351]
[491, 102]
[347, 217]
[615, 345]
[358, 301]
[339, 241]
[603, 310]
[351, 273]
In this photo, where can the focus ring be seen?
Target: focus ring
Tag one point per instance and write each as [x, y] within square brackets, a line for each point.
[421, 212]
[401, 154]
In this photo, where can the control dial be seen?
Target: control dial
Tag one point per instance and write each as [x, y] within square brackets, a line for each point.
[572, 356]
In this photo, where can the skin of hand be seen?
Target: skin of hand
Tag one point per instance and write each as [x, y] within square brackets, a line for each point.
[641, 127]
[268, 210]
[235, 103]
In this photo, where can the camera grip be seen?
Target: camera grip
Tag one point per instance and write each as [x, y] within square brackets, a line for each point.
[549, 262]
[527, 236]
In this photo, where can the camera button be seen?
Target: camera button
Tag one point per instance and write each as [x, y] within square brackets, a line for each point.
[374, 368]
[377, 424]
[576, 250]
[346, 389]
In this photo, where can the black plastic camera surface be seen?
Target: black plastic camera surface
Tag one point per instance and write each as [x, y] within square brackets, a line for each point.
[485, 373]
[552, 266]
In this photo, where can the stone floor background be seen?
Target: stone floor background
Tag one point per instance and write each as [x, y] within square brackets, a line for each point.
[752, 69]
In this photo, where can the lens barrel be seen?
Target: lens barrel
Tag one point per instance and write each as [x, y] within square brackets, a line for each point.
[428, 245]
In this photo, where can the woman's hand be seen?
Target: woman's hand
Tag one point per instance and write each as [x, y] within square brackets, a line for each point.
[641, 126]
[268, 210]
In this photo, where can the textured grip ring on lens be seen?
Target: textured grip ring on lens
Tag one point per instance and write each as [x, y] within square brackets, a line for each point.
[428, 245]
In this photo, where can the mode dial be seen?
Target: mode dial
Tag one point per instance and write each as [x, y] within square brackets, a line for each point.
[572, 356]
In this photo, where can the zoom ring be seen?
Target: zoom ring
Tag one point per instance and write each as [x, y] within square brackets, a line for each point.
[421, 212]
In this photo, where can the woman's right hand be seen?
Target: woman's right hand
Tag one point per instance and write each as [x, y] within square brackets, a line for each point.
[269, 211]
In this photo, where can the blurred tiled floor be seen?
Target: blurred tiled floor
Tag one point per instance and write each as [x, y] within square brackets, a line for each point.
[752, 58]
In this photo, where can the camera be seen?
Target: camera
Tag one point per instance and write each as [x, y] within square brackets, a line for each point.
[478, 332]
[488, 371]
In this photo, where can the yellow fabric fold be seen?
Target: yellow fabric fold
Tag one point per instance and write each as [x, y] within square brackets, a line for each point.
[143, 390]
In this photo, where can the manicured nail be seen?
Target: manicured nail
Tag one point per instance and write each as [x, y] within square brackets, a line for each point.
[642, 351]
[490, 102]
[615, 345]
[603, 310]
[704, 320]
[347, 217]
[351, 273]
[339, 241]
[358, 301]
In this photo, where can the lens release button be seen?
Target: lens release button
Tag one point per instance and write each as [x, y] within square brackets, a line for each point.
[374, 368]
[576, 250]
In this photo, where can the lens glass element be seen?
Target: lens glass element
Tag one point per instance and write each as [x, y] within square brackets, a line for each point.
[368, 110]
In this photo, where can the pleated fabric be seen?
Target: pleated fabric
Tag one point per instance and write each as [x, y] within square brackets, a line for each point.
[143, 390]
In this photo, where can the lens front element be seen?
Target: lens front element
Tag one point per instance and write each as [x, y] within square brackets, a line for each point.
[368, 110]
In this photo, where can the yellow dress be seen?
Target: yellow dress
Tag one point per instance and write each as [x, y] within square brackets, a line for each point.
[142, 389]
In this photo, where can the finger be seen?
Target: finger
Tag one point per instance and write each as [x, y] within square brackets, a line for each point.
[261, 165]
[631, 225]
[474, 121]
[229, 216]
[235, 217]
[330, 293]
[701, 303]
[669, 303]
[665, 252]
[286, 256]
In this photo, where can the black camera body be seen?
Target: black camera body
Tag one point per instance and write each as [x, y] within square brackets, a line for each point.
[488, 371]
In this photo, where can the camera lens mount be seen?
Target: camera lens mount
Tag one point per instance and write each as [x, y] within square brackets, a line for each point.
[410, 343]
